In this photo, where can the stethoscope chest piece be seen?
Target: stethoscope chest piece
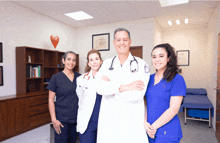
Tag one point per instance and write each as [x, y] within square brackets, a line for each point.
[146, 68]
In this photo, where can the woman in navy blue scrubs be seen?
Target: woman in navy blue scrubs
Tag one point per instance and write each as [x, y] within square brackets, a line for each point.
[89, 100]
[164, 95]
[63, 112]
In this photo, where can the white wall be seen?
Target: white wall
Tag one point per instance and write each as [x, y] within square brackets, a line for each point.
[195, 40]
[158, 33]
[213, 31]
[141, 31]
[22, 27]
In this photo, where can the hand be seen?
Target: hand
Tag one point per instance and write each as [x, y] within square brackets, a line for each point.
[56, 125]
[147, 126]
[136, 85]
[150, 130]
[105, 78]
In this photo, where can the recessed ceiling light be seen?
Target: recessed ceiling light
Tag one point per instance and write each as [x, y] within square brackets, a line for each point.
[186, 21]
[164, 3]
[169, 22]
[177, 22]
[79, 15]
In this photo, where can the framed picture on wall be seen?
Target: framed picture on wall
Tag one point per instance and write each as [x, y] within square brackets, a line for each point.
[101, 42]
[1, 53]
[1, 75]
[183, 58]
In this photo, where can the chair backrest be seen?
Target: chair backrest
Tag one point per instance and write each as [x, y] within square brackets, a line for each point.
[196, 91]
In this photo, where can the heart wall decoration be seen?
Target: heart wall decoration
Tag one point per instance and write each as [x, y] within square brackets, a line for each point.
[54, 40]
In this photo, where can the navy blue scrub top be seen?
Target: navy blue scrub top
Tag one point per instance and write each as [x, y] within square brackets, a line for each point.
[66, 104]
[158, 101]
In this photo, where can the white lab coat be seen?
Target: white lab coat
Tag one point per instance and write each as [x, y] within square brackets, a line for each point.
[121, 115]
[86, 92]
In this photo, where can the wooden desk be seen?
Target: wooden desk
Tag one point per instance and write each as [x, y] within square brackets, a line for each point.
[22, 112]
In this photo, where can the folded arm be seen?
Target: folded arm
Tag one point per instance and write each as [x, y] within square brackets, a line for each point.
[136, 90]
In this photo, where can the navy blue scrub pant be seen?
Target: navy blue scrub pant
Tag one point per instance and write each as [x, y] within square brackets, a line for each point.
[90, 135]
[68, 133]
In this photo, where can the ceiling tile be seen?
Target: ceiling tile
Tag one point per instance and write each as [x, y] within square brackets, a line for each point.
[103, 11]
[116, 7]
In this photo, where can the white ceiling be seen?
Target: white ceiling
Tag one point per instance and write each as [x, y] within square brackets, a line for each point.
[104, 12]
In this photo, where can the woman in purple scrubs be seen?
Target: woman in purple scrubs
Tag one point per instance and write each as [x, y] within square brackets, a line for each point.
[164, 95]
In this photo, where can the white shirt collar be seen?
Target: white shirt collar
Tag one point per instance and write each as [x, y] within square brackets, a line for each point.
[130, 57]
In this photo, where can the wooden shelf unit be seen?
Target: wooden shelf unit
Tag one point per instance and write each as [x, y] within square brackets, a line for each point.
[50, 58]
[49, 62]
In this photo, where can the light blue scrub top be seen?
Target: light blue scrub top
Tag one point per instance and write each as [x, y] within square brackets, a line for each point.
[158, 101]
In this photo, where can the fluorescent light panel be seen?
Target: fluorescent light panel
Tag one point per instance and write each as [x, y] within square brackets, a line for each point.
[169, 22]
[177, 22]
[165, 3]
[79, 15]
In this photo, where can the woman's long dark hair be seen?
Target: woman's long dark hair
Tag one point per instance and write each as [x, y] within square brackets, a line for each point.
[172, 68]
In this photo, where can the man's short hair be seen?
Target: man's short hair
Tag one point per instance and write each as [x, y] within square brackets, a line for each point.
[122, 29]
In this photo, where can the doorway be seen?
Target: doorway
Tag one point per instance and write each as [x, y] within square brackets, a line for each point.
[217, 133]
[137, 51]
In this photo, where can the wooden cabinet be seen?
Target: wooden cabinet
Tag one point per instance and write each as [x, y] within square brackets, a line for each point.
[40, 99]
[3, 120]
[14, 117]
[18, 118]
[38, 110]
[40, 119]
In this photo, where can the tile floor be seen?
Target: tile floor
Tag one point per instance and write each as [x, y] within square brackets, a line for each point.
[193, 132]
[196, 131]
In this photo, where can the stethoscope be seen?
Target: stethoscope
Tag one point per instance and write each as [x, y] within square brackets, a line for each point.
[84, 77]
[85, 80]
[132, 68]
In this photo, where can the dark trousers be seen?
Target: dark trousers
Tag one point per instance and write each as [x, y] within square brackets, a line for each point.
[90, 135]
[68, 133]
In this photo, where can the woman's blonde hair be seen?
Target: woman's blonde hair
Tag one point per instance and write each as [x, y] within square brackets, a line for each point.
[93, 51]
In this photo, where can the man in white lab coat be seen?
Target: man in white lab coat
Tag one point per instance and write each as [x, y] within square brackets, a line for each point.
[122, 81]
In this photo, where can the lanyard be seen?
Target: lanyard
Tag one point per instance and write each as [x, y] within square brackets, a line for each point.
[85, 80]
[87, 76]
